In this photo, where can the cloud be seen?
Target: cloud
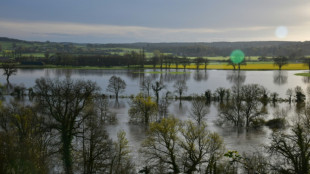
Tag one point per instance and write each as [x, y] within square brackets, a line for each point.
[74, 31]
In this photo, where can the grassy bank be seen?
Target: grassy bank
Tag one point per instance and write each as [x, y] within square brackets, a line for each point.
[303, 74]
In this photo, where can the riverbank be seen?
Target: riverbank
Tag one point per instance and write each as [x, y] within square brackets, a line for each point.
[249, 66]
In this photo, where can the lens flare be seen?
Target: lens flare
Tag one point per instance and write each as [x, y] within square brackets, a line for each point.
[237, 56]
[281, 32]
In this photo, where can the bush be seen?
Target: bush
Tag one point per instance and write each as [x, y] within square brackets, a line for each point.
[276, 123]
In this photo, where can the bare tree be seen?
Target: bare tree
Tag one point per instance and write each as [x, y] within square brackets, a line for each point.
[221, 93]
[9, 69]
[146, 85]
[199, 110]
[96, 146]
[64, 103]
[116, 85]
[289, 93]
[292, 149]
[251, 94]
[180, 87]
[102, 108]
[157, 87]
[174, 146]
[245, 106]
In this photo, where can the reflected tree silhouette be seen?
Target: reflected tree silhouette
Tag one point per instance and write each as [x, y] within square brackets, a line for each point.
[117, 104]
[63, 72]
[280, 77]
[236, 77]
[306, 79]
[199, 76]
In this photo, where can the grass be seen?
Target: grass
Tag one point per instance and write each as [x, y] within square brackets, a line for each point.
[303, 74]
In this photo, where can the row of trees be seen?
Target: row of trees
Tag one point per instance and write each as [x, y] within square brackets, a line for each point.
[132, 59]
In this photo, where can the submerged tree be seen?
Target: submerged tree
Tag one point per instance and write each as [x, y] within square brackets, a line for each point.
[142, 109]
[146, 85]
[199, 110]
[251, 106]
[180, 87]
[9, 69]
[116, 85]
[299, 94]
[173, 146]
[157, 87]
[221, 93]
[245, 106]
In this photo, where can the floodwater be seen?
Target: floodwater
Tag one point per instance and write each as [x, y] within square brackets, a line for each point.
[197, 81]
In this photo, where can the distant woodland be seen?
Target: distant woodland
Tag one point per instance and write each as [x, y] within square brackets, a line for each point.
[79, 54]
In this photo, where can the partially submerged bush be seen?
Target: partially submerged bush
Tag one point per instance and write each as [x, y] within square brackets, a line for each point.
[276, 123]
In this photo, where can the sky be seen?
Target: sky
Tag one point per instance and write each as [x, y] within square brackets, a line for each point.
[129, 21]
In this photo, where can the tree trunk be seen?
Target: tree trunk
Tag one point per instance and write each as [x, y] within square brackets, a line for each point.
[66, 152]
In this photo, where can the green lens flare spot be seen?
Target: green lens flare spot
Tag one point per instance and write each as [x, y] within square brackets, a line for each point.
[237, 56]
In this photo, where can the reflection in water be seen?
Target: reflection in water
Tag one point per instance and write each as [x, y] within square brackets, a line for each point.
[236, 77]
[117, 104]
[180, 108]
[136, 74]
[280, 77]
[199, 76]
[63, 72]
[306, 79]
[214, 78]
